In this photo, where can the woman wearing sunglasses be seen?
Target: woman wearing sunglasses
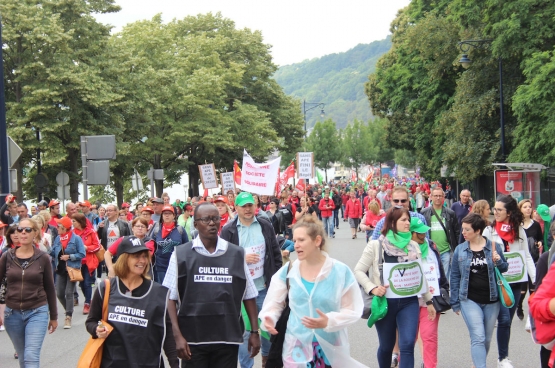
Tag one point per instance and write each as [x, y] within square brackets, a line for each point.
[30, 301]
[68, 250]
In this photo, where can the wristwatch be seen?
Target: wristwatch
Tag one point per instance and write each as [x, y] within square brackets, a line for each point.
[429, 302]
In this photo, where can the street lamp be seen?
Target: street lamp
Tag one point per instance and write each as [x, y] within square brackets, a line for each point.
[313, 106]
[465, 61]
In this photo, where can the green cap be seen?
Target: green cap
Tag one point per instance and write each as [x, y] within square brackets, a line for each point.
[543, 211]
[244, 198]
[378, 310]
[418, 226]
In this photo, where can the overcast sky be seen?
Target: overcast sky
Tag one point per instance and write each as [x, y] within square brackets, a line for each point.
[297, 29]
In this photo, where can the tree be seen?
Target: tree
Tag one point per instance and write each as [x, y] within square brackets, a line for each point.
[324, 141]
[355, 146]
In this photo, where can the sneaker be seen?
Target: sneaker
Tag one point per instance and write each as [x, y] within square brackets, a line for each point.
[2, 328]
[67, 323]
[394, 360]
[86, 308]
[505, 363]
[528, 327]
[75, 302]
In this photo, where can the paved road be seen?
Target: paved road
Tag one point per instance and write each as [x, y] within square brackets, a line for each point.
[63, 348]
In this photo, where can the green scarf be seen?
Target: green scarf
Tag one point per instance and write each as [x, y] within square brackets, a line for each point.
[400, 240]
[424, 248]
[546, 226]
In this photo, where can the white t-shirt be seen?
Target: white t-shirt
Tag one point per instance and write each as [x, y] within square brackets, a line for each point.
[112, 234]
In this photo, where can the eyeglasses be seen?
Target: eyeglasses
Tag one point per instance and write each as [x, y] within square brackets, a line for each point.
[400, 200]
[206, 220]
[28, 230]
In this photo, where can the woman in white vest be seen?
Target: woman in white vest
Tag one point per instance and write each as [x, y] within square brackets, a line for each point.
[324, 299]
[507, 231]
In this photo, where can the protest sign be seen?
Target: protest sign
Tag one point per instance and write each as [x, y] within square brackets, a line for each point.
[404, 279]
[208, 176]
[305, 165]
[430, 271]
[259, 178]
[517, 267]
[228, 182]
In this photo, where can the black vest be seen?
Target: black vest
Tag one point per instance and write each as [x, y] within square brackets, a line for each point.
[140, 323]
[211, 290]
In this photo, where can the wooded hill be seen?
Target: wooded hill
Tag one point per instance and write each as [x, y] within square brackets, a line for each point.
[336, 80]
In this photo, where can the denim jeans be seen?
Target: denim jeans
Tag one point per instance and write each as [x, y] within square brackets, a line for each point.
[64, 292]
[244, 357]
[343, 211]
[99, 270]
[328, 225]
[27, 329]
[504, 322]
[446, 262]
[336, 217]
[86, 284]
[480, 321]
[402, 314]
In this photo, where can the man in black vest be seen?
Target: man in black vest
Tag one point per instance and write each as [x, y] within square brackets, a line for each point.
[209, 278]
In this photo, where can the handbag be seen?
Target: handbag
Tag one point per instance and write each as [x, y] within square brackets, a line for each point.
[504, 290]
[275, 359]
[441, 301]
[367, 298]
[73, 273]
[91, 357]
[100, 254]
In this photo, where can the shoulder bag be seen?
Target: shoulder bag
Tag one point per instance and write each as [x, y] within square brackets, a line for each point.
[73, 273]
[91, 357]
[367, 298]
[504, 290]
[275, 359]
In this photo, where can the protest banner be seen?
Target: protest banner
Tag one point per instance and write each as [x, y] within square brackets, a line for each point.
[259, 178]
[430, 272]
[228, 181]
[305, 165]
[208, 176]
[517, 267]
[404, 279]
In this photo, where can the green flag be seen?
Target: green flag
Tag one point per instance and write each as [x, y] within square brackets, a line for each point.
[319, 177]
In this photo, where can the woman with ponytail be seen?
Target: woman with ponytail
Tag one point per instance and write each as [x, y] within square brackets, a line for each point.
[507, 231]
[402, 313]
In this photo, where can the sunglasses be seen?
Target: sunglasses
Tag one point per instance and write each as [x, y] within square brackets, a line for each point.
[28, 230]
[400, 200]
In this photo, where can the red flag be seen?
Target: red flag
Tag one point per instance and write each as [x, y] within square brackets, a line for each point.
[300, 185]
[287, 174]
[205, 194]
[353, 176]
[236, 172]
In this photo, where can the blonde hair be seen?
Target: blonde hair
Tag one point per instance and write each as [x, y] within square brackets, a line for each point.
[122, 270]
[35, 227]
[37, 219]
[479, 207]
[314, 228]
[45, 215]
[374, 207]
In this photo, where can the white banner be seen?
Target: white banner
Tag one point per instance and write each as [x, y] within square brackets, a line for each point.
[305, 165]
[257, 269]
[208, 176]
[259, 178]
[517, 267]
[431, 271]
[228, 182]
[404, 279]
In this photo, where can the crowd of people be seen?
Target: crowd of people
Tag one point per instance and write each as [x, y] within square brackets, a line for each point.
[184, 278]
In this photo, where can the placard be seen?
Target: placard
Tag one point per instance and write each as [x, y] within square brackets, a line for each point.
[228, 181]
[517, 267]
[404, 279]
[208, 176]
[257, 269]
[305, 165]
[259, 178]
[430, 268]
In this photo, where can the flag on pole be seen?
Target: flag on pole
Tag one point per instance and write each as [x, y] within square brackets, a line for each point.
[288, 174]
[236, 172]
[353, 176]
[319, 177]
[300, 185]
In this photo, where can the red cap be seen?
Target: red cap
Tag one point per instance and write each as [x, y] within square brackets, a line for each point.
[125, 205]
[168, 208]
[65, 222]
[3, 224]
[85, 203]
[53, 203]
[220, 199]
[147, 209]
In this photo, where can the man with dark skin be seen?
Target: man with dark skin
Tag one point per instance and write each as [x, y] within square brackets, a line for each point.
[204, 349]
